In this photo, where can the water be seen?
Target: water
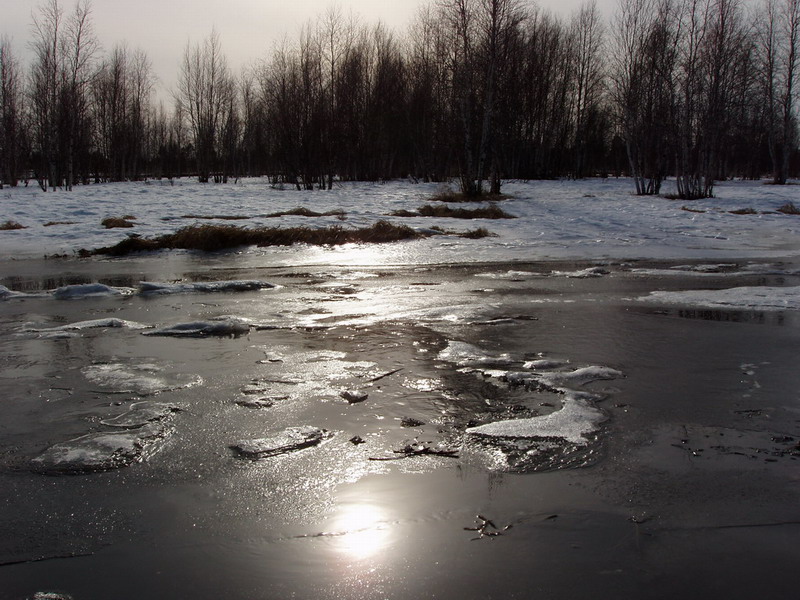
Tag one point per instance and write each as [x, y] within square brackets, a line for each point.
[690, 488]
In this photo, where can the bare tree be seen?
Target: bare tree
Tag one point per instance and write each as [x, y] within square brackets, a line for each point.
[588, 39]
[779, 50]
[644, 61]
[12, 137]
[205, 87]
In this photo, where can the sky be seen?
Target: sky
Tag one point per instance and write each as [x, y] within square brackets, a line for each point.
[248, 28]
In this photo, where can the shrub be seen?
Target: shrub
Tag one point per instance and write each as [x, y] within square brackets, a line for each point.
[112, 222]
[789, 209]
[11, 225]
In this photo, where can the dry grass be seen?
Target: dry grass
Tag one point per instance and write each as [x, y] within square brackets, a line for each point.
[789, 209]
[476, 234]
[11, 225]
[294, 212]
[213, 217]
[428, 210]
[113, 222]
[221, 237]
[452, 196]
[302, 211]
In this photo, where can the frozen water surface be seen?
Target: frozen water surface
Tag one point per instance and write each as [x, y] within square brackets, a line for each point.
[612, 377]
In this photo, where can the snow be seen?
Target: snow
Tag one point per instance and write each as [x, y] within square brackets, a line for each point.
[586, 219]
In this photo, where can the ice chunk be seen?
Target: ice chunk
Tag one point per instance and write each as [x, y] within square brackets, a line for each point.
[99, 451]
[288, 440]
[142, 379]
[223, 328]
[573, 423]
[544, 364]
[583, 273]
[89, 290]
[94, 324]
[141, 413]
[579, 377]
[761, 298]
[464, 354]
[157, 288]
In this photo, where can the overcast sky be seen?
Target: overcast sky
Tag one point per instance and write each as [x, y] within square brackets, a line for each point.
[248, 28]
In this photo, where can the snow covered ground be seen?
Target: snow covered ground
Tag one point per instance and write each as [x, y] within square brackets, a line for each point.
[589, 219]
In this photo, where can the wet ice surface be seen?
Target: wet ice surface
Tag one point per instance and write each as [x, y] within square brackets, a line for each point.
[581, 416]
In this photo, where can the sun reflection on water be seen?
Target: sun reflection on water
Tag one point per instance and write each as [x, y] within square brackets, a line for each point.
[362, 531]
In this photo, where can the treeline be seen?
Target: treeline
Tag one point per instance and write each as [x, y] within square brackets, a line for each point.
[478, 90]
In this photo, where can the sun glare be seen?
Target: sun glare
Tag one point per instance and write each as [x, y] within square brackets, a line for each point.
[362, 531]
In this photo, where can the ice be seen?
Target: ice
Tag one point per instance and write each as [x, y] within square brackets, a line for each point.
[464, 354]
[109, 323]
[223, 328]
[141, 413]
[89, 290]
[574, 422]
[578, 377]
[288, 440]
[760, 298]
[156, 288]
[142, 379]
[99, 451]
[583, 273]
[544, 364]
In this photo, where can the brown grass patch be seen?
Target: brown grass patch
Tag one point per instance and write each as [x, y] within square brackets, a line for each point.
[428, 210]
[212, 217]
[11, 225]
[51, 223]
[789, 209]
[476, 234]
[112, 222]
[222, 237]
[451, 196]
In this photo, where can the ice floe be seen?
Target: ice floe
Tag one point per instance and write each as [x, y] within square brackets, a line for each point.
[100, 451]
[576, 420]
[565, 380]
[141, 413]
[223, 328]
[566, 438]
[141, 379]
[109, 323]
[755, 297]
[157, 288]
[544, 364]
[464, 354]
[288, 440]
[89, 290]
[583, 273]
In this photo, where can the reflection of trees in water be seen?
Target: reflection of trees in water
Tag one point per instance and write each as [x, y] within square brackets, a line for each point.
[734, 316]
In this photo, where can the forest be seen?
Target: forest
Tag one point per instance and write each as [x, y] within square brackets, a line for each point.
[475, 91]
